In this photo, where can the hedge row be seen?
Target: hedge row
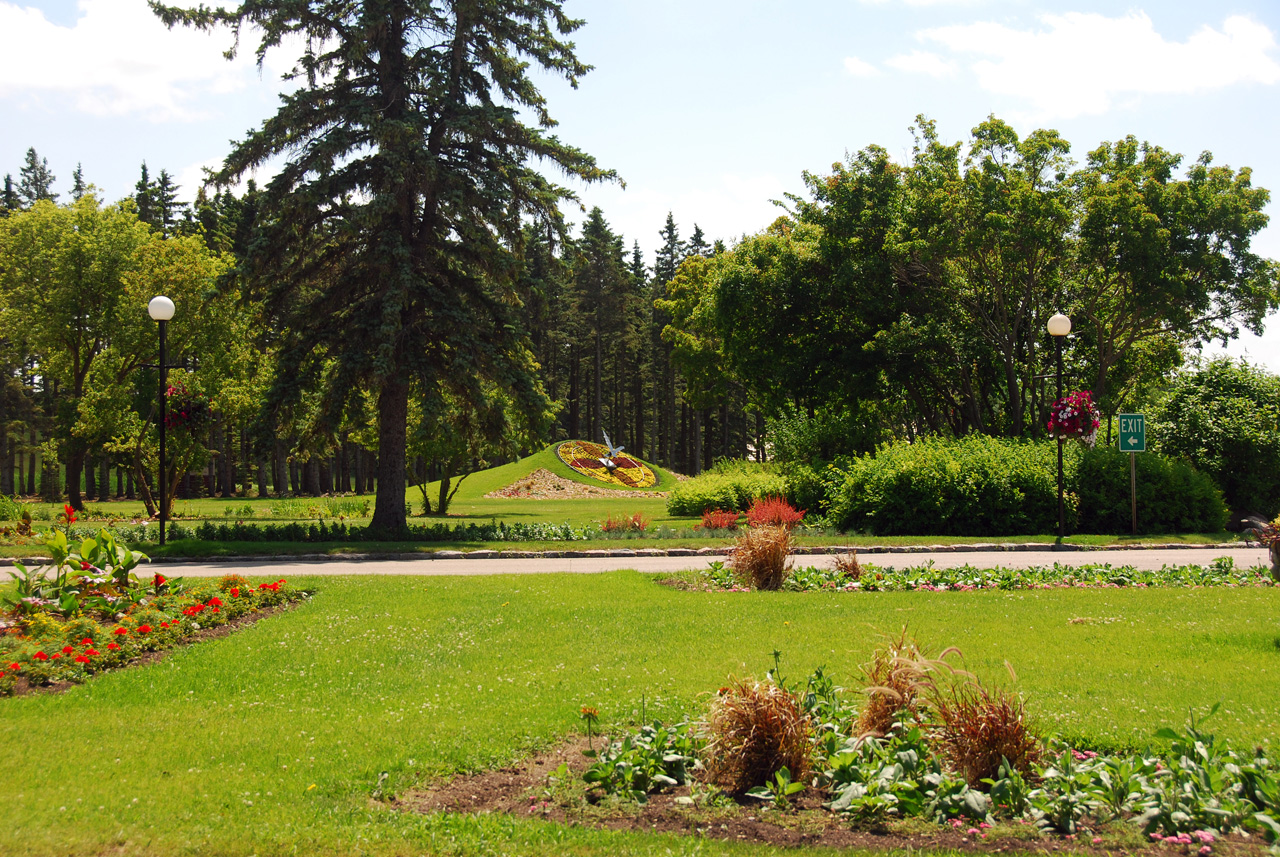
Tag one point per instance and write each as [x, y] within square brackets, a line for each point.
[337, 532]
[973, 486]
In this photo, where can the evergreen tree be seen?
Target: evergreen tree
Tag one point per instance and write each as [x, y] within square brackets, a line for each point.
[698, 245]
[405, 185]
[600, 276]
[669, 255]
[144, 198]
[168, 210]
[77, 183]
[35, 180]
[9, 201]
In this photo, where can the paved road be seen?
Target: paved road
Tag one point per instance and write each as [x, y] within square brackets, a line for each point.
[1144, 559]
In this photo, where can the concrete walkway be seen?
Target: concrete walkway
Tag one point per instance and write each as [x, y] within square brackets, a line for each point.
[277, 567]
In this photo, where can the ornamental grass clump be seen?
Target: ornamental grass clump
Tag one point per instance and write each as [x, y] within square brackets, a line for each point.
[761, 557]
[977, 728]
[894, 681]
[756, 729]
[773, 512]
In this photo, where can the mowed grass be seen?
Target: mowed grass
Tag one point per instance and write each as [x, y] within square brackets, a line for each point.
[271, 741]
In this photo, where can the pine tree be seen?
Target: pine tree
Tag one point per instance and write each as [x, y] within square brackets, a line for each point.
[77, 183]
[387, 236]
[667, 260]
[35, 180]
[698, 245]
[144, 198]
[168, 210]
[601, 278]
[9, 201]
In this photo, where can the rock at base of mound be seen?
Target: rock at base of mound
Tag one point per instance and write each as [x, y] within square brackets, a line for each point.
[542, 484]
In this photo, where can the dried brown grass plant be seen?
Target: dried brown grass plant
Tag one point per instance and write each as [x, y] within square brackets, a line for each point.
[894, 681]
[754, 730]
[975, 726]
[761, 557]
[848, 566]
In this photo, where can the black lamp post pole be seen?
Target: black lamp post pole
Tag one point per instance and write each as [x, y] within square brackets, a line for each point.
[164, 389]
[1061, 507]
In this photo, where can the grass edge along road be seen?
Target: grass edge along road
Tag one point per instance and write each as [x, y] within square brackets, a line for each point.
[274, 739]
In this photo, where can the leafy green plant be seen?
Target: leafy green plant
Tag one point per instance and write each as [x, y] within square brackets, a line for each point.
[654, 758]
[779, 790]
[731, 485]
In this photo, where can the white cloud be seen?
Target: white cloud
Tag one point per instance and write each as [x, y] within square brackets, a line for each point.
[117, 59]
[1080, 64]
[860, 68]
[922, 62]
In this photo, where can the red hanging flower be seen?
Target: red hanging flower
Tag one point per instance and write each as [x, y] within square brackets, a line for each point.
[1075, 417]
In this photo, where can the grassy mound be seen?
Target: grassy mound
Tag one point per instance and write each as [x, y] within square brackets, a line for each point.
[481, 483]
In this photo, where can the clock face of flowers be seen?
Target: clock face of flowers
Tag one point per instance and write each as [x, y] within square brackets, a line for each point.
[585, 457]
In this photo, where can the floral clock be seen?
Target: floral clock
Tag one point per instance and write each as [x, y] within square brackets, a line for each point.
[589, 459]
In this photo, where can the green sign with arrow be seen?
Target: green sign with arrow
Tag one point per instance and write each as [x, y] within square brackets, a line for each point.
[1133, 433]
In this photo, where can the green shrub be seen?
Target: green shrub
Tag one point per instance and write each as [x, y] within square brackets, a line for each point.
[729, 485]
[10, 509]
[1173, 497]
[1224, 417]
[972, 486]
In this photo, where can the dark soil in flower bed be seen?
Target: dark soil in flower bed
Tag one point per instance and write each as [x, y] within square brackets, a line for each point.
[529, 790]
[215, 633]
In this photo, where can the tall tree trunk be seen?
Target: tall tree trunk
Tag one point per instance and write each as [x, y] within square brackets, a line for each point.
[638, 440]
[119, 482]
[575, 424]
[90, 479]
[279, 468]
[697, 441]
[597, 400]
[359, 468]
[325, 482]
[229, 476]
[344, 468]
[262, 476]
[75, 466]
[31, 462]
[104, 478]
[130, 487]
[393, 416]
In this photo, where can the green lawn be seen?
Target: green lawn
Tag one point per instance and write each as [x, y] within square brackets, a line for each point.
[270, 741]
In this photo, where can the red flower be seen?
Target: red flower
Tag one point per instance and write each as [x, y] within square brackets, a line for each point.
[144, 629]
[120, 632]
[235, 592]
[69, 512]
[41, 656]
[115, 647]
[87, 641]
[217, 610]
[15, 667]
[215, 602]
[91, 653]
[57, 655]
[66, 650]
[160, 580]
[84, 565]
[81, 659]
[164, 624]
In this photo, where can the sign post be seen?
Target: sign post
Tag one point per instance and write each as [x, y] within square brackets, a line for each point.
[1133, 439]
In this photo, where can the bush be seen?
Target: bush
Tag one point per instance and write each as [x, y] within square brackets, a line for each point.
[728, 485]
[1173, 497]
[760, 557]
[978, 728]
[773, 512]
[756, 729]
[10, 509]
[718, 519]
[636, 523]
[1224, 417]
[973, 486]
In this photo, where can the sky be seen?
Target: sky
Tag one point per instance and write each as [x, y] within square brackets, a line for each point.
[709, 110]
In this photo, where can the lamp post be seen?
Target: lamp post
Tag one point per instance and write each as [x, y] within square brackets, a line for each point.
[1059, 326]
[161, 309]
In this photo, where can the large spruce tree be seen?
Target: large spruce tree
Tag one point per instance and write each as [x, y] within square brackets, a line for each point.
[388, 238]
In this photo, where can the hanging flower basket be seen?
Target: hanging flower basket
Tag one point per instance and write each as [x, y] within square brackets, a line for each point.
[1075, 417]
[186, 410]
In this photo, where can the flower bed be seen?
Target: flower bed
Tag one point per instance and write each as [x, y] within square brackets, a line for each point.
[921, 738]
[89, 612]
[853, 577]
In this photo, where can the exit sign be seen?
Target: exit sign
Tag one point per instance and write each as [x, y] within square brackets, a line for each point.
[1133, 433]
